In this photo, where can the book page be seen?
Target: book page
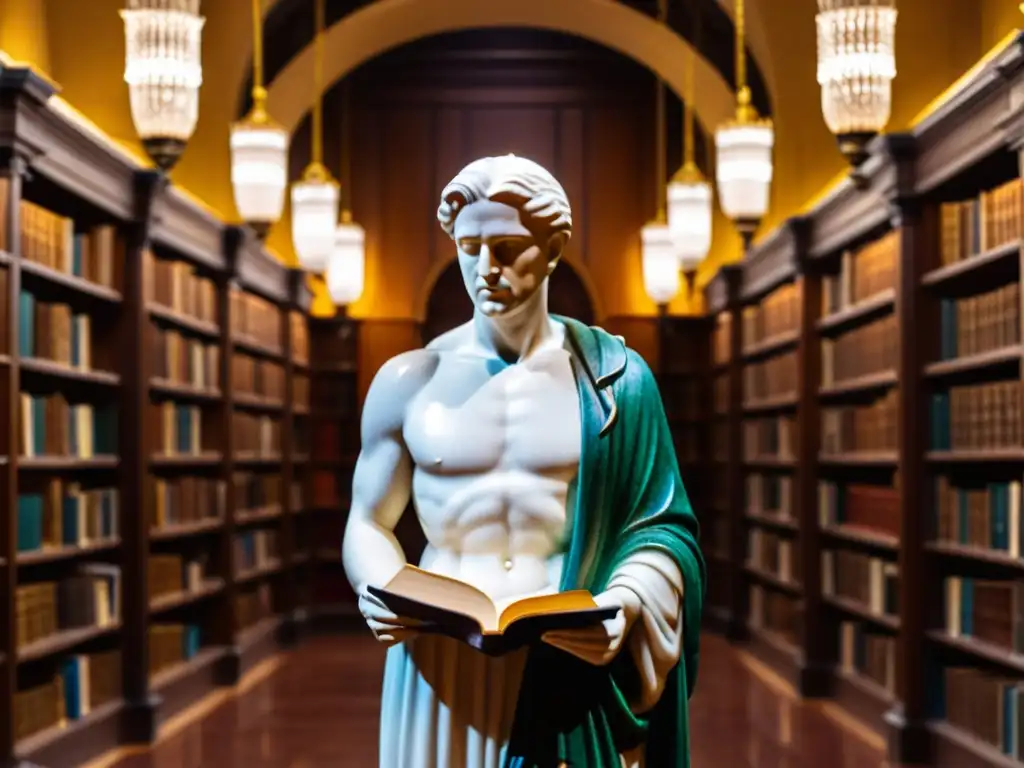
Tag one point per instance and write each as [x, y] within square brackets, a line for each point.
[444, 592]
[558, 602]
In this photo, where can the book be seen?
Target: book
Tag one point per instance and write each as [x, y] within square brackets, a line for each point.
[454, 608]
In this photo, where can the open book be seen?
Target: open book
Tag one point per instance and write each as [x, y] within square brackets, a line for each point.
[457, 609]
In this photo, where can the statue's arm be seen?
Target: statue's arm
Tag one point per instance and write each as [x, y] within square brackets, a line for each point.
[371, 553]
[654, 587]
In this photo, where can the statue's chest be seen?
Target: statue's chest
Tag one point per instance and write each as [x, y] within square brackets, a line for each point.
[523, 417]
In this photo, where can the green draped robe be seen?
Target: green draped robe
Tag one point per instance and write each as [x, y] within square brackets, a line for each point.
[630, 497]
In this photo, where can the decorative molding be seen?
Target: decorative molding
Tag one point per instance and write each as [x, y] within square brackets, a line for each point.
[182, 226]
[774, 261]
[256, 270]
[723, 289]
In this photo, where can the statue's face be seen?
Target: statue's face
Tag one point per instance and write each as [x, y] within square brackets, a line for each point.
[502, 264]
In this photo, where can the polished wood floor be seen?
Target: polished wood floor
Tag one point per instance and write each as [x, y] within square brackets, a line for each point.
[317, 708]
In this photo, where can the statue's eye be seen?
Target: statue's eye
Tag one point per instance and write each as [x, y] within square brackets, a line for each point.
[469, 246]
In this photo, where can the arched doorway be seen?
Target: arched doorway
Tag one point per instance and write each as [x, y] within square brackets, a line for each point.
[449, 305]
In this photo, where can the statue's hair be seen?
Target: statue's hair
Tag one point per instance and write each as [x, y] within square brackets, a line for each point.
[515, 181]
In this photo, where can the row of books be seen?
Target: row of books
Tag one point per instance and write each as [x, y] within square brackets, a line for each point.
[83, 683]
[55, 332]
[187, 499]
[337, 394]
[90, 597]
[50, 240]
[770, 494]
[868, 653]
[182, 359]
[862, 274]
[987, 706]
[255, 550]
[987, 517]
[253, 492]
[170, 574]
[771, 436]
[854, 428]
[255, 319]
[977, 416]
[51, 426]
[721, 339]
[300, 392]
[971, 227]
[255, 376]
[67, 515]
[984, 609]
[776, 314]
[256, 436]
[253, 605]
[176, 428]
[773, 554]
[981, 323]
[775, 377]
[179, 287]
[868, 349]
[857, 506]
[172, 644]
[869, 581]
[299, 328]
[775, 612]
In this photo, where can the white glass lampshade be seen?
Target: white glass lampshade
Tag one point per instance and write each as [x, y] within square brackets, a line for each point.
[689, 219]
[259, 169]
[163, 70]
[346, 266]
[660, 262]
[314, 221]
[856, 63]
[744, 168]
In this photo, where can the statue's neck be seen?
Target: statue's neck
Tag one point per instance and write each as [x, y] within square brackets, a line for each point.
[517, 335]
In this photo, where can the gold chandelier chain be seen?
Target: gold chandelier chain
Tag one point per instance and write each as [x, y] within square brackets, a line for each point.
[318, 78]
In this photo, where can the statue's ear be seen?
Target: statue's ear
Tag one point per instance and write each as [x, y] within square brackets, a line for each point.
[556, 244]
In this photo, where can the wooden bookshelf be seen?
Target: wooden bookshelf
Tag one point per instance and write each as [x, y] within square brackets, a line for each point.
[125, 307]
[334, 439]
[907, 441]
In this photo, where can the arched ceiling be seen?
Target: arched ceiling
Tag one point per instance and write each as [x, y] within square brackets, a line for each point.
[387, 24]
[705, 24]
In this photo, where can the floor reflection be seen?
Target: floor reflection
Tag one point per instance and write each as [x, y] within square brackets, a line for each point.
[319, 710]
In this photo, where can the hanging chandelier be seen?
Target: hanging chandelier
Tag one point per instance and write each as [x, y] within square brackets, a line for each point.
[315, 197]
[163, 70]
[689, 194]
[259, 150]
[346, 266]
[744, 148]
[856, 67]
[659, 259]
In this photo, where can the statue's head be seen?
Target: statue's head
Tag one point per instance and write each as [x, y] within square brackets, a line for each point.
[510, 220]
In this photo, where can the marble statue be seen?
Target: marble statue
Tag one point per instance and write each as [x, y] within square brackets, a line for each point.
[538, 458]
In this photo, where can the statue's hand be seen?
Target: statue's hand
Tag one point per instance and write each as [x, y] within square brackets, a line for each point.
[388, 627]
[599, 644]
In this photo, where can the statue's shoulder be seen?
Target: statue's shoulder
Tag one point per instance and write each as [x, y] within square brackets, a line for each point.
[399, 380]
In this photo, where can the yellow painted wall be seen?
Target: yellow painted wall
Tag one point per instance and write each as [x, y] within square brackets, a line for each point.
[999, 18]
[23, 32]
[81, 44]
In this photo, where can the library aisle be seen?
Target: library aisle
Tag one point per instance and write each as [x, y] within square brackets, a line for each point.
[317, 708]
